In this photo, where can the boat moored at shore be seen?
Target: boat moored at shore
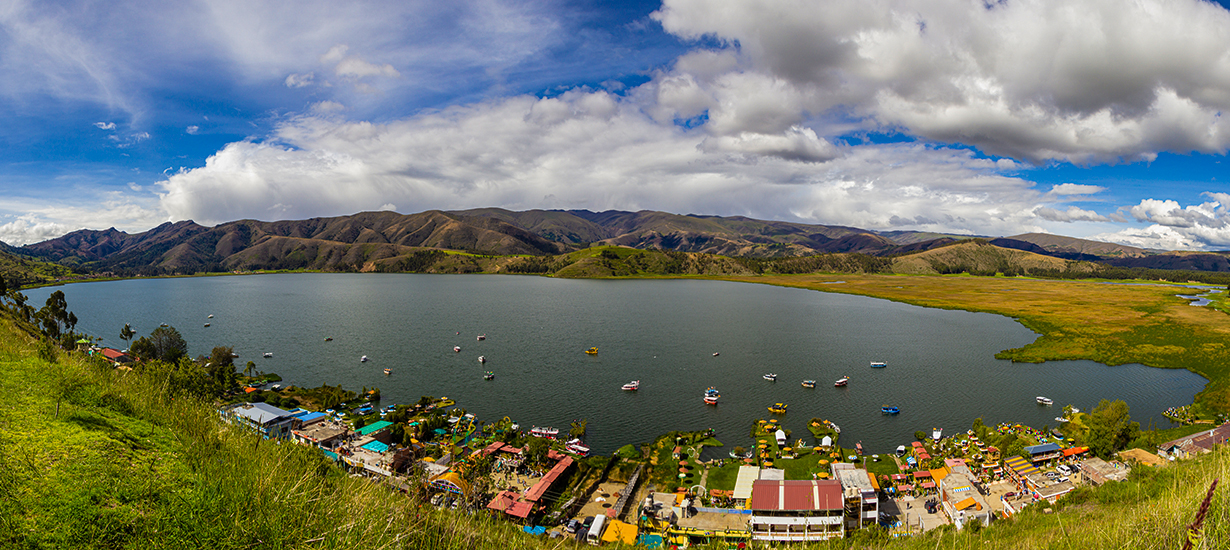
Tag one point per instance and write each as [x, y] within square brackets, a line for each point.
[544, 432]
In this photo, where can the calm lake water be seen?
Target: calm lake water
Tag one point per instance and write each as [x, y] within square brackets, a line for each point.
[941, 372]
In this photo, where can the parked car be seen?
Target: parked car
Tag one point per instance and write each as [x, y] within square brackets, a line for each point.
[1010, 494]
[571, 526]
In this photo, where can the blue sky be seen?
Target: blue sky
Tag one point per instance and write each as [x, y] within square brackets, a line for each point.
[1091, 118]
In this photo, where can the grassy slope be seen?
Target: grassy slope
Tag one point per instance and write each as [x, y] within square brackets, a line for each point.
[1108, 323]
[123, 467]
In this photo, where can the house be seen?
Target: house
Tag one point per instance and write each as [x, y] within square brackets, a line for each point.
[859, 491]
[960, 496]
[793, 510]
[1195, 444]
[115, 356]
[1044, 452]
[262, 418]
[1097, 471]
[326, 435]
[521, 505]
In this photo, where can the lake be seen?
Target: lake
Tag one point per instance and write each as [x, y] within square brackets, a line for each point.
[941, 372]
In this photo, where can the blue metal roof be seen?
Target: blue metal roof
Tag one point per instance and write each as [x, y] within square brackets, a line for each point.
[1043, 448]
[376, 447]
[312, 416]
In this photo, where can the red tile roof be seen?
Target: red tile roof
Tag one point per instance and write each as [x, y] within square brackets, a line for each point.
[771, 494]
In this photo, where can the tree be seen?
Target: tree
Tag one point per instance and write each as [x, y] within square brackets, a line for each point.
[1110, 428]
[143, 348]
[55, 317]
[169, 345]
[920, 435]
[126, 335]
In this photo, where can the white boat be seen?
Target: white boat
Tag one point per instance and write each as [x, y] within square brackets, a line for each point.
[388, 372]
[841, 382]
[632, 386]
[715, 354]
[211, 316]
[937, 433]
[1075, 410]
[363, 359]
[1061, 419]
[836, 429]
[711, 396]
[482, 359]
[772, 377]
[879, 364]
[575, 446]
[547, 432]
[267, 354]
[1044, 400]
[482, 337]
[900, 450]
[206, 324]
[457, 349]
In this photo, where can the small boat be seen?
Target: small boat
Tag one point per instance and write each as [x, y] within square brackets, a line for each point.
[858, 448]
[715, 354]
[878, 364]
[889, 410]
[900, 450]
[233, 354]
[778, 408]
[489, 375]
[482, 359]
[575, 446]
[207, 324]
[841, 382]
[164, 325]
[711, 396]
[1061, 419]
[547, 432]
[772, 377]
[457, 349]
[809, 383]
[388, 372]
[937, 433]
[632, 386]
[363, 359]
[1075, 410]
[211, 316]
[482, 337]
[592, 351]
[328, 338]
[267, 354]
[1044, 400]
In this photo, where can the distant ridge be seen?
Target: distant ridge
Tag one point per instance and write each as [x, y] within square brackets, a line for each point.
[402, 242]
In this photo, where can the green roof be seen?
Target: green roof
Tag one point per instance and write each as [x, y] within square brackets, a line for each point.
[368, 430]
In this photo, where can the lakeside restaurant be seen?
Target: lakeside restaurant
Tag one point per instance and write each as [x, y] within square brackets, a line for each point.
[797, 510]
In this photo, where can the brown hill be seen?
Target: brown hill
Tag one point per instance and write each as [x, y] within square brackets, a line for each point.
[1073, 246]
[979, 257]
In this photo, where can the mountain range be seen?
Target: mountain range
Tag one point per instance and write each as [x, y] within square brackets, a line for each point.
[385, 240]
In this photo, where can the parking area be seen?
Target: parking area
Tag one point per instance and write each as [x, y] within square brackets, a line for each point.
[913, 512]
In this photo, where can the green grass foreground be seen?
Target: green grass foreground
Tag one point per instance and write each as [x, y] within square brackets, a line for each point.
[95, 458]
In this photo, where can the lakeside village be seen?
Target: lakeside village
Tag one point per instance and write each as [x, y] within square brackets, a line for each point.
[787, 486]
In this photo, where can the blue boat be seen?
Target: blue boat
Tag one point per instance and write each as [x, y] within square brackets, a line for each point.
[879, 364]
[889, 410]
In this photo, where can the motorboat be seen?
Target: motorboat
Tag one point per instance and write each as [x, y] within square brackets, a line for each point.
[879, 364]
[363, 359]
[841, 382]
[1061, 419]
[489, 375]
[482, 359]
[715, 354]
[836, 428]
[211, 316]
[206, 324]
[632, 386]
[778, 408]
[267, 354]
[889, 410]
[592, 351]
[809, 383]
[328, 338]
[482, 337]
[546, 432]
[858, 448]
[1044, 400]
[711, 396]
[456, 349]
[772, 377]
[388, 372]
[900, 450]
[937, 433]
[575, 446]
